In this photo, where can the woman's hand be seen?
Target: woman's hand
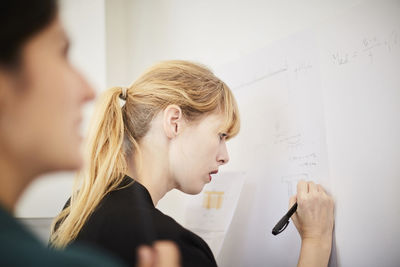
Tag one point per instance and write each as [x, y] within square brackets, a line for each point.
[314, 221]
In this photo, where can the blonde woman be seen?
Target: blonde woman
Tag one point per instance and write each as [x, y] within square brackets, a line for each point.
[169, 132]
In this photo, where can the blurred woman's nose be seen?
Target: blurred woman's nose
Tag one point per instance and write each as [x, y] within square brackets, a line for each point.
[223, 156]
[88, 91]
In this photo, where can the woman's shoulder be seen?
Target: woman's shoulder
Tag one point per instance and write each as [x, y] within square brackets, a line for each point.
[130, 212]
[190, 243]
[127, 218]
[122, 207]
[115, 225]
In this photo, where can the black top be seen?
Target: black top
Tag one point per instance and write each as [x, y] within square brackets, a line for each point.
[18, 247]
[126, 218]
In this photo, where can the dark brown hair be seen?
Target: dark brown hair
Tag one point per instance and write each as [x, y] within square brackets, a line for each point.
[20, 20]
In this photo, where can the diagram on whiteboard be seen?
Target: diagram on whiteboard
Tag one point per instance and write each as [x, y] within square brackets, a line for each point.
[209, 213]
[213, 199]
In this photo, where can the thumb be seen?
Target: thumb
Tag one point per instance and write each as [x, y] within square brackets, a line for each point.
[292, 200]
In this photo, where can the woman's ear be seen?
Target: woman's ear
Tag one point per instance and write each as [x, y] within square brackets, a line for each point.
[5, 87]
[172, 120]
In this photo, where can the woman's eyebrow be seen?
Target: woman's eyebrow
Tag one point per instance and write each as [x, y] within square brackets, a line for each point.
[67, 45]
[62, 36]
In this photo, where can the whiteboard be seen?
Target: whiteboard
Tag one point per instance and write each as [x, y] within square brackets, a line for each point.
[282, 141]
[322, 105]
[360, 67]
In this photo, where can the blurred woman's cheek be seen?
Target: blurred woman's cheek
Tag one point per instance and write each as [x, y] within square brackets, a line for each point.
[53, 107]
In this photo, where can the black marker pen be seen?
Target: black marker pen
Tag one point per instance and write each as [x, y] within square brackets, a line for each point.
[284, 222]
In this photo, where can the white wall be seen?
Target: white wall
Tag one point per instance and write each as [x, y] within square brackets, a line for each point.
[117, 42]
[208, 31]
[84, 21]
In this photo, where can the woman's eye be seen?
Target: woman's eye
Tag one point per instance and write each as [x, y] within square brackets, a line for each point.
[65, 49]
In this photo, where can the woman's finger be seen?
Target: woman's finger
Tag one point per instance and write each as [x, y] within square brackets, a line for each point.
[302, 188]
[320, 188]
[167, 254]
[146, 257]
[312, 187]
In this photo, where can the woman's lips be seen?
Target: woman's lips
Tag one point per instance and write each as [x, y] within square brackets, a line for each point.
[213, 172]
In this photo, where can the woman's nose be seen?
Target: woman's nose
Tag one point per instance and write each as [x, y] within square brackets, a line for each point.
[87, 91]
[223, 156]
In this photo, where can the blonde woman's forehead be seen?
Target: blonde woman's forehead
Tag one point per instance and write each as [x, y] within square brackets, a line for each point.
[215, 120]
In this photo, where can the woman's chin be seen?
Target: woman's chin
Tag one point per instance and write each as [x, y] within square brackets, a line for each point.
[73, 163]
[194, 190]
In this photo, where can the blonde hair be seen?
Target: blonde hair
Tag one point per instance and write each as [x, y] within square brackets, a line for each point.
[114, 136]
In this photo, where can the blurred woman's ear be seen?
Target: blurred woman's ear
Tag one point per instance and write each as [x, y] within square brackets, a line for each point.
[5, 84]
[2, 89]
[172, 120]
[2, 83]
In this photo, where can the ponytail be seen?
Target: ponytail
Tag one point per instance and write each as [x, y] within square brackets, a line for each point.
[106, 169]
